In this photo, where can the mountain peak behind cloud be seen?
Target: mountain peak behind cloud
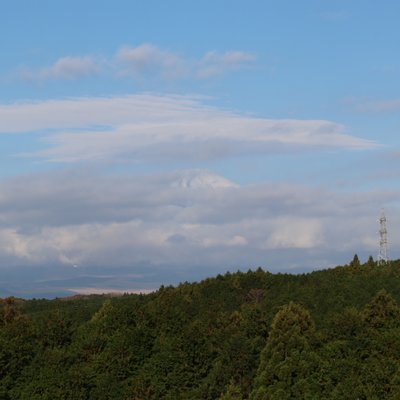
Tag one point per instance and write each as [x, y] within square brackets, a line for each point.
[199, 179]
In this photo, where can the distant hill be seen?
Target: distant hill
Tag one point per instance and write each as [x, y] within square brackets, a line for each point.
[330, 334]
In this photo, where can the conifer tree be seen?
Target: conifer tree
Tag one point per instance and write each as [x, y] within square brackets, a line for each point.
[288, 362]
[371, 262]
[355, 262]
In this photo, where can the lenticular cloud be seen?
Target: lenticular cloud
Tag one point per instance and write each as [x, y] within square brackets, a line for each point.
[151, 127]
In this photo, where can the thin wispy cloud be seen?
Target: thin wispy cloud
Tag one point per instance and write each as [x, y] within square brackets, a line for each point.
[144, 61]
[148, 60]
[214, 63]
[152, 127]
[373, 106]
[65, 68]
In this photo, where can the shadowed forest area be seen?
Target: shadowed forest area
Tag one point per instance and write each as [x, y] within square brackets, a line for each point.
[329, 334]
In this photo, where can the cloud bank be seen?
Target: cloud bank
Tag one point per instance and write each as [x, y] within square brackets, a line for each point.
[186, 218]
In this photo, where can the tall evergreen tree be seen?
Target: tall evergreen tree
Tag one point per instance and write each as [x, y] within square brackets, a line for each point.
[288, 363]
[371, 262]
[355, 262]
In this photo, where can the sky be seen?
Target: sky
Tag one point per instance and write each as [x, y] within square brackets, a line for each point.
[150, 143]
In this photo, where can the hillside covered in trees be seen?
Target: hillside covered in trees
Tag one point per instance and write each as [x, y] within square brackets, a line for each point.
[330, 334]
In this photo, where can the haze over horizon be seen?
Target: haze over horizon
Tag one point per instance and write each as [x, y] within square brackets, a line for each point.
[152, 143]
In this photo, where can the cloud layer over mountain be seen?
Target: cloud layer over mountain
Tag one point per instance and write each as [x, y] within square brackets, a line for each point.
[185, 218]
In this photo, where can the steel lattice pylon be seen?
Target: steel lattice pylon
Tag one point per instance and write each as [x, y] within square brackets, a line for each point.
[383, 256]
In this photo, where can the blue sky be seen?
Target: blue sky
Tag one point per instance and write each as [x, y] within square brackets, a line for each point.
[144, 143]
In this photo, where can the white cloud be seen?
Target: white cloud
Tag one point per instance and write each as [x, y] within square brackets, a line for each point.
[293, 232]
[148, 127]
[147, 59]
[236, 240]
[65, 68]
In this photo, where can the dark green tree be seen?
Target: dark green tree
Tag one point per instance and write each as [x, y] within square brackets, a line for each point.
[371, 262]
[383, 310]
[355, 262]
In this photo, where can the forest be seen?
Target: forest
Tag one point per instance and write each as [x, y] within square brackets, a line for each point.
[328, 334]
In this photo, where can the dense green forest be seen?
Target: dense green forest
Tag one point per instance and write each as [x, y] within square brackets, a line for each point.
[329, 334]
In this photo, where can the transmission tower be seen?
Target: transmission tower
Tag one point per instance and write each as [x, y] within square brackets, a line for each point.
[383, 256]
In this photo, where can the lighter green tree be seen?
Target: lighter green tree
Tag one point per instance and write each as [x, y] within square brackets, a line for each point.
[232, 393]
[288, 363]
